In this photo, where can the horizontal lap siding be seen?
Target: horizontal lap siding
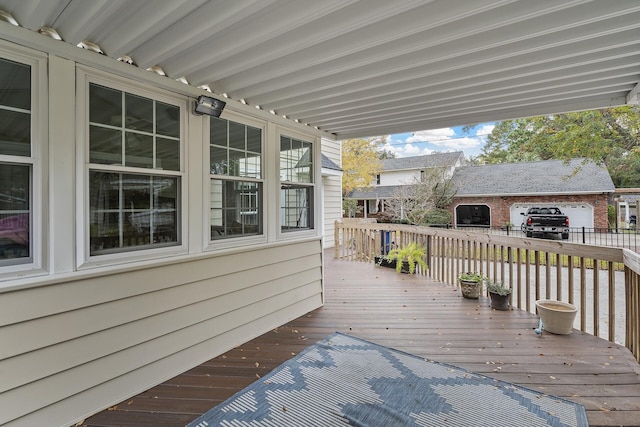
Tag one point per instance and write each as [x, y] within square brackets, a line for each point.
[332, 207]
[100, 340]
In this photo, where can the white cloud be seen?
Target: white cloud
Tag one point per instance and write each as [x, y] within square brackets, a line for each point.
[485, 130]
[411, 150]
[433, 134]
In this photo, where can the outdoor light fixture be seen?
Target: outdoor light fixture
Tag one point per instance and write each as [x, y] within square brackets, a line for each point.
[209, 106]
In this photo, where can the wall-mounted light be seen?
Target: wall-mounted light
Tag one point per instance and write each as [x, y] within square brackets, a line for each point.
[209, 106]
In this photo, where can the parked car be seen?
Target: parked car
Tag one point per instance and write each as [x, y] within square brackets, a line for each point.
[545, 221]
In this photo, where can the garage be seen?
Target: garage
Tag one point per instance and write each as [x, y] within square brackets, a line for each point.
[580, 214]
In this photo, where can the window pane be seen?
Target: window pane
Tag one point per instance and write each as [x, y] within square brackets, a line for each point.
[136, 192]
[167, 154]
[253, 166]
[15, 133]
[254, 139]
[296, 161]
[147, 216]
[105, 105]
[105, 146]
[296, 207]
[237, 165]
[218, 160]
[15, 212]
[218, 131]
[167, 120]
[15, 85]
[138, 150]
[139, 113]
[237, 137]
[15, 93]
[235, 209]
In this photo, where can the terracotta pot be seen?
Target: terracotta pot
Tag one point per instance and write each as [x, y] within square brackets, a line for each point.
[470, 289]
[557, 317]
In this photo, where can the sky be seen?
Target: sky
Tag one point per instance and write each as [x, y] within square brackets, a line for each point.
[440, 140]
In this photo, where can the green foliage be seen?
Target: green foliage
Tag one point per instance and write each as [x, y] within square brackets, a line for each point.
[412, 253]
[611, 216]
[386, 154]
[498, 288]
[470, 277]
[351, 207]
[609, 136]
[437, 217]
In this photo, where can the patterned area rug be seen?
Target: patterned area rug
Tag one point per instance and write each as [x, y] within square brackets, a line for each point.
[344, 380]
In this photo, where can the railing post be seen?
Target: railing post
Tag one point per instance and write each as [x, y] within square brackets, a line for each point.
[584, 239]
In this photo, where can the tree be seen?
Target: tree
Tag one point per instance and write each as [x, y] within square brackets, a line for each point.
[609, 136]
[425, 199]
[360, 163]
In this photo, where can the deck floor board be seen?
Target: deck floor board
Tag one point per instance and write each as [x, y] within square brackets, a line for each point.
[420, 316]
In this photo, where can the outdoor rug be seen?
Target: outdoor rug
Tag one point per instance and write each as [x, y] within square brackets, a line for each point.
[344, 380]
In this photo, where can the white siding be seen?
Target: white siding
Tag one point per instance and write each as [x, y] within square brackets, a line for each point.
[402, 177]
[140, 327]
[332, 187]
[331, 193]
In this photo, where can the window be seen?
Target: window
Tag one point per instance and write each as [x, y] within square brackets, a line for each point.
[235, 160]
[378, 179]
[296, 184]
[16, 164]
[134, 172]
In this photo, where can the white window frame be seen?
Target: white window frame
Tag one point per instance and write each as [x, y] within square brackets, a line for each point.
[38, 241]
[84, 260]
[315, 185]
[239, 241]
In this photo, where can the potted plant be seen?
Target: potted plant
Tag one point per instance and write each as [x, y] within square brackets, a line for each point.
[499, 294]
[407, 257]
[470, 284]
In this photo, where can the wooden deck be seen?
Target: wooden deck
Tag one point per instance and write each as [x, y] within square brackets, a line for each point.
[420, 316]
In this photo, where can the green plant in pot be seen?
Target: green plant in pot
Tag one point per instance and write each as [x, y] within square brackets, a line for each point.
[500, 295]
[407, 257]
[470, 284]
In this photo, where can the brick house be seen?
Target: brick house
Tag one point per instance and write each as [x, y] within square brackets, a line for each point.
[494, 195]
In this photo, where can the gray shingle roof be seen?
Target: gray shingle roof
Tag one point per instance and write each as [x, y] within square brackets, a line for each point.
[544, 177]
[380, 192]
[421, 162]
[327, 163]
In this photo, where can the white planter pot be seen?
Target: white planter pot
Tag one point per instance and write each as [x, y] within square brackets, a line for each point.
[557, 317]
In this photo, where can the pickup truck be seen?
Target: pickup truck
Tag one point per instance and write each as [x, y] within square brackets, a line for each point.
[545, 220]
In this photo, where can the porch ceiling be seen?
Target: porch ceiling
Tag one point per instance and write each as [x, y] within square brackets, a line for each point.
[372, 67]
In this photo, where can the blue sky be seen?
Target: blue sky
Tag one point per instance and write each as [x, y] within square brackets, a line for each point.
[442, 140]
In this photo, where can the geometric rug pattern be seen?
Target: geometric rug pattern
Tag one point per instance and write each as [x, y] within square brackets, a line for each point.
[344, 380]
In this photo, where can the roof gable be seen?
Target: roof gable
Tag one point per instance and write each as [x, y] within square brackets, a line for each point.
[422, 162]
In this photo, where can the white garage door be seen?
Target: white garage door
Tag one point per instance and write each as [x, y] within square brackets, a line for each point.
[580, 215]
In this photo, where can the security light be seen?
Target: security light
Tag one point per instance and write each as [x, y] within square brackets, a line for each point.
[209, 106]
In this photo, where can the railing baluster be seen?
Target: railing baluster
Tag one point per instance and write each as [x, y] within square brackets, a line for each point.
[583, 294]
[596, 297]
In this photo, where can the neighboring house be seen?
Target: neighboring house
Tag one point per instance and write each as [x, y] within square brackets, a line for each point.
[399, 172]
[494, 195]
